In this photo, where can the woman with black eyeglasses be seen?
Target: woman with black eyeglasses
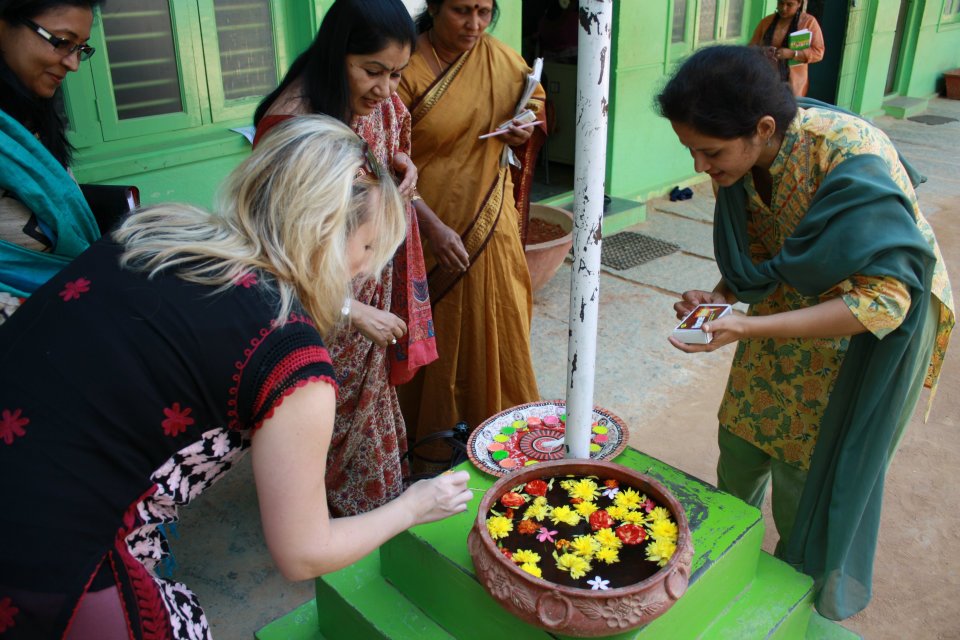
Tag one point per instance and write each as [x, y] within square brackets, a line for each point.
[44, 220]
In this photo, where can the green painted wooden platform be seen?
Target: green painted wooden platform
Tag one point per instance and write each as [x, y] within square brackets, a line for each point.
[421, 584]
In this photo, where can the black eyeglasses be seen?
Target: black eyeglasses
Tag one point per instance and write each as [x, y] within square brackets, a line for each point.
[63, 46]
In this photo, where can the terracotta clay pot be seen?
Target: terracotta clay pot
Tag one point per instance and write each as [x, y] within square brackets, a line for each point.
[544, 258]
[952, 83]
[569, 610]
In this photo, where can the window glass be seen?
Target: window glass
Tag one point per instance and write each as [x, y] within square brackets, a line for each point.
[143, 63]
[679, 21]
[734, 18]
[248, 64]
[708, 20]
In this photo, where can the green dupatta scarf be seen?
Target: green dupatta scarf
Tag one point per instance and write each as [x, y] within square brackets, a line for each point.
[859, 222]
[28, 170]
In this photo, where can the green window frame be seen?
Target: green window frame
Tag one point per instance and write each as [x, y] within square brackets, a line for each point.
[91, 96]
[950, 14]
[695, 23]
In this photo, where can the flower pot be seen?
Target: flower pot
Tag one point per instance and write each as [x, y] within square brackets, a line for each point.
[573, 611]
[546, 256]
[952, 81]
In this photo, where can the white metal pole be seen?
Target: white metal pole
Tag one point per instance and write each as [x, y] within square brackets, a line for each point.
[593, 82]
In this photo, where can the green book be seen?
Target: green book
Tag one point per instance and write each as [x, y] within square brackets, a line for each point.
[798, 40]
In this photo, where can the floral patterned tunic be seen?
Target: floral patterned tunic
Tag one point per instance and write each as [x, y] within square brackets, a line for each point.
[121, 398]
[778, 387]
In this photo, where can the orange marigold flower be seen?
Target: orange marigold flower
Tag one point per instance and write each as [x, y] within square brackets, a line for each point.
[512, 499]
[601, 520]
[631, 534]
[536, 488]
[527, 527]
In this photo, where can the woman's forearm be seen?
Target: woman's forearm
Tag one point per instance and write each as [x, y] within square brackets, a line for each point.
[828, 319]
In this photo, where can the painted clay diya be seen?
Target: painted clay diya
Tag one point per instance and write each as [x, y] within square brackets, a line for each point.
[580, 611]
[533, 433]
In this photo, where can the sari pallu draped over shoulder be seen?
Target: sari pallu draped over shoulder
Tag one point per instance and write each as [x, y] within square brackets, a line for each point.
[478, 72]
[28, 170]
[859, 222]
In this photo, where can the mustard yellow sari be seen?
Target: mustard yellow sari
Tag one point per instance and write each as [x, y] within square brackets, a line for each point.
[482, 317]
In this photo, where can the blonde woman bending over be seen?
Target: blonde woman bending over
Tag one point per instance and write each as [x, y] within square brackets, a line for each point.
[151, 363]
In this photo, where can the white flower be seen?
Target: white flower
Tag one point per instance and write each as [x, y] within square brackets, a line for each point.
[598, 582]
[611, 491]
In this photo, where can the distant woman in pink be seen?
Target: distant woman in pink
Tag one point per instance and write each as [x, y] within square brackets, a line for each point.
[772, 34]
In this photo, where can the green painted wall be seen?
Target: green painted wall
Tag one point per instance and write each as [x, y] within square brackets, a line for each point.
[644, 158]
[937, 50]
[929, 47]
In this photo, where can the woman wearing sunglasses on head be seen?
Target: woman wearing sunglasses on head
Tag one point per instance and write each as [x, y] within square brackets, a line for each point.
[44, 220]
[154, 361]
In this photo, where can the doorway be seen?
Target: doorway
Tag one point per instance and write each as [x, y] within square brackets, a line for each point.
[896, 55]
[825, 75]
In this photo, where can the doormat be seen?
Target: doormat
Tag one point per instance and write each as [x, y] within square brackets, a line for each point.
[628, 249]
[931, 119]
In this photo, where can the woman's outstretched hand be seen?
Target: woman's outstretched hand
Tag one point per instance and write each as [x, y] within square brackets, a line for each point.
[438, 498]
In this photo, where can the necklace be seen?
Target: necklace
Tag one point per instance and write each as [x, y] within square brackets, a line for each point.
[441, 63]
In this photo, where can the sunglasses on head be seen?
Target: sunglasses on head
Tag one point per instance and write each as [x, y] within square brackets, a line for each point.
[370, 165]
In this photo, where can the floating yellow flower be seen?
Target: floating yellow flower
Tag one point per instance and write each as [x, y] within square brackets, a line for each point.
[584, 489]
[617, 513]
[499, 527]
[584, 546]
[635, 517]
[664, 530]
[586, 508]
[607, 539]
[566, 515]
[660, 551]
[532, 569]
[525, 556]
[567, 484]
[538, 510]
[659, 513]
[627, 498]
[608, 555]
[574, 564]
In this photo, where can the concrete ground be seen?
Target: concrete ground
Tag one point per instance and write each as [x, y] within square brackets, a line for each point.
[669, 401]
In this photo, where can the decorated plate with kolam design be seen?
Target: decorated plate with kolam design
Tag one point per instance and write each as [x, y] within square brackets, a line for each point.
[531, 433]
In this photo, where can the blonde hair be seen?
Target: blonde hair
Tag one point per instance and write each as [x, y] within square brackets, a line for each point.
[287, 210]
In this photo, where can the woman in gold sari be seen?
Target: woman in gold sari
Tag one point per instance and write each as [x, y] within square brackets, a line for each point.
[462, 83]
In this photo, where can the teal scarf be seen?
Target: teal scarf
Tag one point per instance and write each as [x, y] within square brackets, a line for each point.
[28, 170]
[859, 222]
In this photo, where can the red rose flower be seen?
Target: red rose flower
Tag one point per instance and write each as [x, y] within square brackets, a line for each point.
[512, 499]
[536, 488]
[508, 514]
[527, 527]
[600, 520]
[631, 534]
[506, 552]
